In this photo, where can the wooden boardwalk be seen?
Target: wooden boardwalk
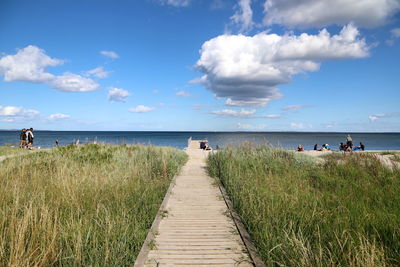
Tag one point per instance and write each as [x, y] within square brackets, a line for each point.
[197, 229]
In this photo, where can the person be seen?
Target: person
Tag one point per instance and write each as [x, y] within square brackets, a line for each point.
[316, 147]
[300, 148]
[349, 141]
[361, 146]
[29, 137]
[342, 147]
[327, 147]
[22, 138]
[56, 142]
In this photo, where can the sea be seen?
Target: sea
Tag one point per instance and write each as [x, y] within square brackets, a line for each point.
[287, 140]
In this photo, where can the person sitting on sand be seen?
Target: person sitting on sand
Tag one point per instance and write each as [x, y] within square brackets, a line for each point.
[300, 148]
[349, 141]
[316, 147]
[342, 147]
[325, 147]
[362, 146]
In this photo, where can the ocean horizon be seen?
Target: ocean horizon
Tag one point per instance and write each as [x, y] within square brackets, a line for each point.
[178, 139]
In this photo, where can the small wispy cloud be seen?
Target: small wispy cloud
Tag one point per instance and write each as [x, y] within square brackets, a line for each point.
[110, 54]
[272, 116]
[297, 126]
[176, 3]
[296, 107]
[197, 106]
[117, 94]
[183, 94]
[243, 16]
[233, 113]
[245, 103]
[98, 72]
[395, 32]
[217, 4]
[58, 116]
[244, 126]
[141, 109]
[376, 117]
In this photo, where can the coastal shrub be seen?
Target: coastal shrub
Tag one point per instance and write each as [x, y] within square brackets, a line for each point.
[343, 211]
[86, 205]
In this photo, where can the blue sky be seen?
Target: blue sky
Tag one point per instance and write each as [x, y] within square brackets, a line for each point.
[212, 65]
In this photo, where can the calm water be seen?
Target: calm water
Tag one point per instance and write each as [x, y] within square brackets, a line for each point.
[290, 140]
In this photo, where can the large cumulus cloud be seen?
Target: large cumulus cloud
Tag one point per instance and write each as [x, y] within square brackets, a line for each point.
[320, 13]
[247, 69]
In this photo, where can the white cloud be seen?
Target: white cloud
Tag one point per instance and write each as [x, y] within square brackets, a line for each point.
[58, 116]
[13, 113]
[376, 117]
[395, 32]
[176, 3]
[141, 109]
[197, 106]
[243, 126]
[247, 69]
[28, 65]
[155, 92]
[272, 116]
[110, 54]
[217, 4]
[390, 42]
[256, 102]
[69, 82]
[320, 13]
[98, 72]
[233, 113]
[243, 16]
[183, 94]
[297, 126]
[117, 94]
[295, 107]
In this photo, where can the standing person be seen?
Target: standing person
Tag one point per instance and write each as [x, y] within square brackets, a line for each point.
[22, 138]
[349, 141]
[316, 147]
[29, 137]
[56, 142]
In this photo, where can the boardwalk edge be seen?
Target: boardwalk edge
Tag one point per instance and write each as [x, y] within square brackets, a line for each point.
[144, 251]
[248, 242]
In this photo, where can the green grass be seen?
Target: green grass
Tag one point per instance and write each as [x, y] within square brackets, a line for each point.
[82, 206]
[343, 212]
[7, 151]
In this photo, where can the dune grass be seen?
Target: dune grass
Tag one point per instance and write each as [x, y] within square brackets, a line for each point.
[89, 205]
[7, 151]
[343, 212]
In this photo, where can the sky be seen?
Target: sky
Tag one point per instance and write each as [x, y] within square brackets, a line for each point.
[200, 65]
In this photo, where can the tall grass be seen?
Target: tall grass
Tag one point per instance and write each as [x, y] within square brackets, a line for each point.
[343, 212]
[82, 206]
[7, 151]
